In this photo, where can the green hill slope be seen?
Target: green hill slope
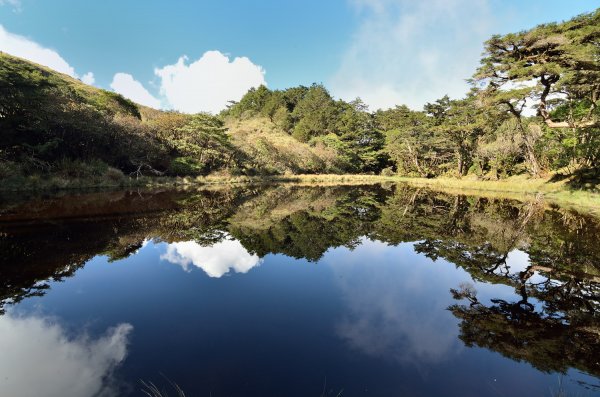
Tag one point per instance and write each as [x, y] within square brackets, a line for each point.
[57, 131]
[51, 123]
[267, 149]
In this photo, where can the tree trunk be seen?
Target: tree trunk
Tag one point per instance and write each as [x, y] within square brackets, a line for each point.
[530, 137]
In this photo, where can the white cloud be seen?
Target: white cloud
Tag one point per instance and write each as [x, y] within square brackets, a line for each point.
[216, 260]
[129, 87]
[208, 83]
[24, 48]
[39, 359]
[412, 52]
[88, 78]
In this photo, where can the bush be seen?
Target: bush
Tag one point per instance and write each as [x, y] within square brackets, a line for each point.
[388, 171]
[186, 166]
[80, 169]
[114, 174]
[9, 169]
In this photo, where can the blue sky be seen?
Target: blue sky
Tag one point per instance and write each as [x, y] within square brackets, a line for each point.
[385, 51]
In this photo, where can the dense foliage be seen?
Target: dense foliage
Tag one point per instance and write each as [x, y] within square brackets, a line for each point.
[53, 124]
[310, 114]
[552, 70]
[533, 108]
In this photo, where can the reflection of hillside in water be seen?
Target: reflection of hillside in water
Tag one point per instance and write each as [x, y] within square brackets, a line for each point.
[553, 322]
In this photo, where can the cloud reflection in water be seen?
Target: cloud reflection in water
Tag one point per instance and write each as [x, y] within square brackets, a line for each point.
[396, 303]
[216, 260]
[39, 359]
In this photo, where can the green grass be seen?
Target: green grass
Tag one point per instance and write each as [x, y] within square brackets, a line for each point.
[518, 187]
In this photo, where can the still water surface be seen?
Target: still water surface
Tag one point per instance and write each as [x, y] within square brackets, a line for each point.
[298, 291]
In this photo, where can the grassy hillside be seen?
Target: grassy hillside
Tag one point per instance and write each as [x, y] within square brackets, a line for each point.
[267, 149]
[57, 132]
[54, 125]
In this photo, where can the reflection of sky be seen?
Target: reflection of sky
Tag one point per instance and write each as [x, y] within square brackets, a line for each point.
[395, 302]
[215, 260]
[517, 261]
[38, 359]
[371, 318]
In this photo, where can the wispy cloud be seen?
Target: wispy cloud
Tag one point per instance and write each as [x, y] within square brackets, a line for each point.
[386, 321]
[412, 52]
[15, 4]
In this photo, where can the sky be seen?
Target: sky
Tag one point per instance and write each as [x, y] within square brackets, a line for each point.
[194, 56]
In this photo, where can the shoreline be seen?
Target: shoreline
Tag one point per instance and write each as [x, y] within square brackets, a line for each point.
[518, 187]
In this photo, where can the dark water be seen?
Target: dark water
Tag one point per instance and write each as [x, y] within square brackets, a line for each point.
[298, 291]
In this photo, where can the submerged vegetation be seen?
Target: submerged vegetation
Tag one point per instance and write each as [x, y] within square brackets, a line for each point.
[58, 132]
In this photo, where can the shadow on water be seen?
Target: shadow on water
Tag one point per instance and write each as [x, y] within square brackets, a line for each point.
[554, 323]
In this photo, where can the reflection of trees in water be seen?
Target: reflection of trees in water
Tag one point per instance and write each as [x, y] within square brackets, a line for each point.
[476, 234]
[306, 222]
[549, 340]
[554, 321]
[51, 240]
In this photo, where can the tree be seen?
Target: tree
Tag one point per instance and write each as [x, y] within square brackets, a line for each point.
[558, 58]
[555, 66]
[202, 144]
[314, 113]
[251, 104]
[410, 141]
[356, 126]
[461, 123]
[438, 109]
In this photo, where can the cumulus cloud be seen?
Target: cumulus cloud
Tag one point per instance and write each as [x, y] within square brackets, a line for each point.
[207, 84]
[412, 52]
[88, 78]
[126, 85]
[39, 359]
[25, 48]
[204, 85]
[215, 260]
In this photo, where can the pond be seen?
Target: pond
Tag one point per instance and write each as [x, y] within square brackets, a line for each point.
[292, 290]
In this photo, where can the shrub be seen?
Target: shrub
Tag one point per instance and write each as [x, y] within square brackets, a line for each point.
[80, 169]
[186, 166]
[388, 171]
[114, 174]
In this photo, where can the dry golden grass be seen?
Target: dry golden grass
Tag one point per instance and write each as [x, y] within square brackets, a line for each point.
[269, 150]
[519, 187]
[302, 179]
